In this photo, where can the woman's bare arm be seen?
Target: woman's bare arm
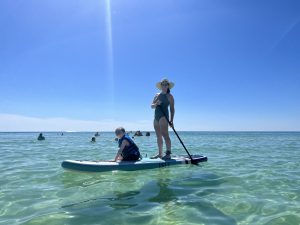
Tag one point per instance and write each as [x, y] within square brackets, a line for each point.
[155, 102]
[172, 107]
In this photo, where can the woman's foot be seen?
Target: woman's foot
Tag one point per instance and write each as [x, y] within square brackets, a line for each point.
[156, 156]
[167, 156]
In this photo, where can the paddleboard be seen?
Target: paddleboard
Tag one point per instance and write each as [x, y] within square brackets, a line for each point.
[144, 164]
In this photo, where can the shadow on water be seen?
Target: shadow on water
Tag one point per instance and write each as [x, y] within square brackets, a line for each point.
[163, 193]
[171, 191]
[118, 197]
[71, 179]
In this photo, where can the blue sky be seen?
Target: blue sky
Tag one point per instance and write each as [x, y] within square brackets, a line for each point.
[73, 65]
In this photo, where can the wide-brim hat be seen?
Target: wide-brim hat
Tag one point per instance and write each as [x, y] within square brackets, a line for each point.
[171, 84]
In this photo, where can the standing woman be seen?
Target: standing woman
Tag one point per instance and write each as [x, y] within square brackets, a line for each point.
[161, 102]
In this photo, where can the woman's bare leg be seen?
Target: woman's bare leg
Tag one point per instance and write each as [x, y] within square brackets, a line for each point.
[159, 138]
[164, 129]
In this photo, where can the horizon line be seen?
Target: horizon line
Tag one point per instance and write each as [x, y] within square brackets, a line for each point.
[109, 131]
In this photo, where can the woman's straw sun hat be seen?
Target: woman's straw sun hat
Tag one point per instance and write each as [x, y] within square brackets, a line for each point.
[171, 84]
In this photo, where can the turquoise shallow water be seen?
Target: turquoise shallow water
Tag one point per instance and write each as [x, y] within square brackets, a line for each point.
[250, 178]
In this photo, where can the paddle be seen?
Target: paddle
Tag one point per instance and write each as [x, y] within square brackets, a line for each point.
[171, 125]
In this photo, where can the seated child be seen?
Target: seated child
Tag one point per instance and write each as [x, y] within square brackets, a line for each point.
[128, 150]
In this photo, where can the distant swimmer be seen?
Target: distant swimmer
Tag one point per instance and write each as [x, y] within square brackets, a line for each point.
[41, 137]
[93, 139]
[138, 133]
[97, 134]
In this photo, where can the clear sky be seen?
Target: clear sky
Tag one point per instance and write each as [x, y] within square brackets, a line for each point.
[93, 65]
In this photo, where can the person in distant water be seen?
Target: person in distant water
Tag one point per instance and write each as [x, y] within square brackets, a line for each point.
[93, 139]
[161, 103]
[128, 150]
[138, 133]
[97, 134]
[41, 137]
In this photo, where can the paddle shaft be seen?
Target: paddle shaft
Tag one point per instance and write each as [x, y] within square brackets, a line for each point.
[171, 125]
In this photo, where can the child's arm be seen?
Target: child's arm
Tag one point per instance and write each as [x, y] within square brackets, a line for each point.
[123, 145]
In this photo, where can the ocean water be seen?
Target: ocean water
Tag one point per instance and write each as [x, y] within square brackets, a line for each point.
[250, 178]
